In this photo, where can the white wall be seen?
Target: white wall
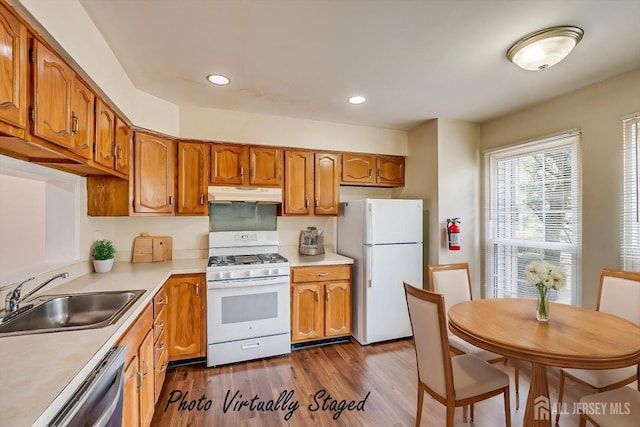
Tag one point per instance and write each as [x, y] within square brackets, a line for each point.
[597, 111]
[233, 126]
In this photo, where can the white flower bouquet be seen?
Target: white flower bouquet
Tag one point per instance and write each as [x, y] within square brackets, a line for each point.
[544, 276]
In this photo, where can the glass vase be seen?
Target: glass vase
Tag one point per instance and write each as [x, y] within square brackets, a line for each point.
[542, 306]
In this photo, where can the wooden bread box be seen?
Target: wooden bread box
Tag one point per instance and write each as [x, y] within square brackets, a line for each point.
[152, 248]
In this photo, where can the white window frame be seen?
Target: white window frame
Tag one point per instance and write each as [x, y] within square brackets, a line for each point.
[630, 239]
[491, 157]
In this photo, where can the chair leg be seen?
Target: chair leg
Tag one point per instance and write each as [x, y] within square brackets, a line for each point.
[560, 395]
[471, 413]
[451, 415]
[507, 409]
[420, 402]
[517, 378]
[583, 421]
[464, 413]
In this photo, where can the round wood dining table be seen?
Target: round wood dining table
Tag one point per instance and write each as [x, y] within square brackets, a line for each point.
[572, 338]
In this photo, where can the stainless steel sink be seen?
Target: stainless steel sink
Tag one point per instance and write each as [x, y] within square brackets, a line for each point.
[55, 313]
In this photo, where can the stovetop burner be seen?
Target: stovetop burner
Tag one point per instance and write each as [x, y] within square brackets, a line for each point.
[222, 260]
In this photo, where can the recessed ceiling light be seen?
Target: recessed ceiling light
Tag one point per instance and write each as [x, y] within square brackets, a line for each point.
[218, 79]
[357, 100]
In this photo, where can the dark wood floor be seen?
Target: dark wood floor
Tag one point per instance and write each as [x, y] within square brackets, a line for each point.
[379, 379]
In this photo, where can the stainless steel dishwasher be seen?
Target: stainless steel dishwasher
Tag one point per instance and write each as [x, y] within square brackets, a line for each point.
[98, 400]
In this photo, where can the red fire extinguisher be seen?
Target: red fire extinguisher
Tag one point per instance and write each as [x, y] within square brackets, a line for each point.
[453, 233]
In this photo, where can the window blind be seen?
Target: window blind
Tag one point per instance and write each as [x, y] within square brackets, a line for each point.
[630, 238]
[534, 213]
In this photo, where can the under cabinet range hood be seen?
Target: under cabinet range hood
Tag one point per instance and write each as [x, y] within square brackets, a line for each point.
[218, 194]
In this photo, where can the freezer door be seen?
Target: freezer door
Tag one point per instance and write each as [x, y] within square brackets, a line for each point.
[388, 266]
[393, 221]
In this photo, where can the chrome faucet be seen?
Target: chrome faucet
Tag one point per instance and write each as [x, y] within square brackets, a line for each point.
[13, 299]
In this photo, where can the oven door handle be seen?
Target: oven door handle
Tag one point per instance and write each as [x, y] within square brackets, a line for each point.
[104, 419]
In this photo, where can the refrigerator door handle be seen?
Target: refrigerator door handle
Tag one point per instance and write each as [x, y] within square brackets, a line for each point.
[369, 238]
[369, 264]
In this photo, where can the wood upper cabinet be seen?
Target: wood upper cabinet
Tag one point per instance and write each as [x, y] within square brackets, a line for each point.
[371, 170]
[192, 179]
[186, 316]
[311, 184]
[124, 144]
[358, 169]
[298, 182]
[229, 165]
[327, 184]
[154, 174]
[53, 85]
[390, 171]
[13, 74]
[82, 123]
[265, 165]
[320, 302]
[105, 135]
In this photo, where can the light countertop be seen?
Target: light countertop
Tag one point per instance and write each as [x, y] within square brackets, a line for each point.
[297, 260]
[40, 372]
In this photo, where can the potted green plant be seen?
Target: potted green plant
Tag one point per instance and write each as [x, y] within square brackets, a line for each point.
[102, 253]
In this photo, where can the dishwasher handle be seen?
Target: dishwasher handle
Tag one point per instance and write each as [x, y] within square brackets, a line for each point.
[104, 419]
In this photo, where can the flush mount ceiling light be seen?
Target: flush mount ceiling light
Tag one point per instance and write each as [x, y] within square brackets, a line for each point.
[357, 100]
[545, 48]
[218, 79]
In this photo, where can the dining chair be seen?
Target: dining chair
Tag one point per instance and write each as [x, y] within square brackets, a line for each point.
[619, 294]
[453, 381]
[454, 282]
[614, 408]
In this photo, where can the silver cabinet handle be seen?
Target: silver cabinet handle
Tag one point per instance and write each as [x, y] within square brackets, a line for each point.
[202, 200]
[76, 124]
[241, 172]
[248, 346]
[317, 296]
[322, 274]
[306, 203]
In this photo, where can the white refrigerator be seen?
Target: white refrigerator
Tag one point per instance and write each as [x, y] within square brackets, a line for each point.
[384, 237]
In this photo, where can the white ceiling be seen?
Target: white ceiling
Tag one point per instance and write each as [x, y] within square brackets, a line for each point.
[413, 60]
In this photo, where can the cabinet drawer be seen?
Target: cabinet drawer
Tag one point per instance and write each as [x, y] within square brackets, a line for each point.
[322, 273]
[160, 372]
[133, 337]
[159, 324]
[160, 350]
[159, 302]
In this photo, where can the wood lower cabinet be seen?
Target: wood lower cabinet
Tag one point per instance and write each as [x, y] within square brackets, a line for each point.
[192, 179]
[154, 161]
[320, 302]
[147, 396]
[186, 316]
[371, 170]
[13, 75]
[311, 183]
[131, 407]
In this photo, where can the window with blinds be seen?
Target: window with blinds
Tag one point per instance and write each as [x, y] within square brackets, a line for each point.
[631, 217]
[534, 212]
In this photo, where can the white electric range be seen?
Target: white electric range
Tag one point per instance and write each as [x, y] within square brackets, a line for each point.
[248, 307]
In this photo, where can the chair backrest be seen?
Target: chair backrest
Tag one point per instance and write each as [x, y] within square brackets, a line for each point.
[451, 280]
[426, 312]
[620, 294]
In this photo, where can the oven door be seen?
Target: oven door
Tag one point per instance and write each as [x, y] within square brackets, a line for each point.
[247, 311]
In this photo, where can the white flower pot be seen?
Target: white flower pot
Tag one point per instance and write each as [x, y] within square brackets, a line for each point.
[103, 266]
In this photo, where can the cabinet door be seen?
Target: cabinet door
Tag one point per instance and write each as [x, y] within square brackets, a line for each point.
[185, 316]
[154, 174]
[147, 377]
[53, 84]
[327, 184]
[266, 166]
[105, 135]
[13, 70]
[192, 179]
[307, 312]
[130, 400]
[124, 141]
[337, 308]
[298, 182]
[82, 126]
[390, 171]
[229, 165]
[358, 169]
